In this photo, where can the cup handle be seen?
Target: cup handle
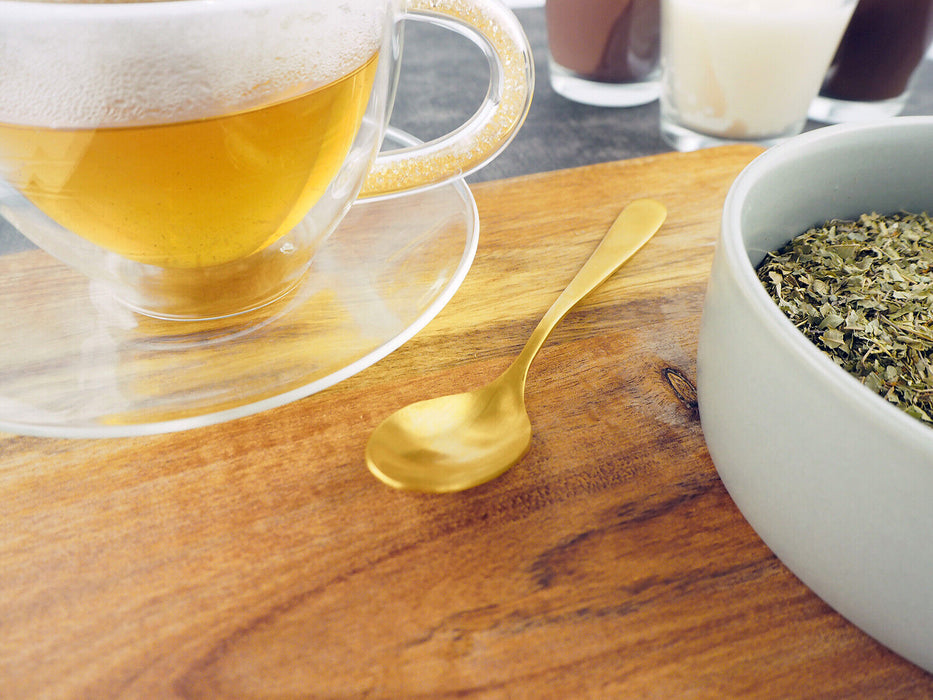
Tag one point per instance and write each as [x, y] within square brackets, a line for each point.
[498, 33]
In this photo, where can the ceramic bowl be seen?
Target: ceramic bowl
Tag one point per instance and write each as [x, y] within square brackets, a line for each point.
[835, 480]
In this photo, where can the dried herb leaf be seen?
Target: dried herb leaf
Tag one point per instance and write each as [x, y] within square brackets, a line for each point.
[862, 291]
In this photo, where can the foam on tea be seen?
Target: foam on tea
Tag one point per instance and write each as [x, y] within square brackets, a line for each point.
[190, 139]
[98, 67]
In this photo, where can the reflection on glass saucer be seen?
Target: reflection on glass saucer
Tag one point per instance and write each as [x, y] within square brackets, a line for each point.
[77, 363]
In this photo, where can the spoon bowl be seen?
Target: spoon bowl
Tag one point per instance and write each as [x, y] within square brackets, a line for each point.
[456, 442]
[444, 444]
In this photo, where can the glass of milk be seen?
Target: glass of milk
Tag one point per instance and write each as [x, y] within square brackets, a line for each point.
[744, 70]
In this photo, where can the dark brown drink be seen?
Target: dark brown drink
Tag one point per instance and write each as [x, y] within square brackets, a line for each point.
[882, 46]
[612, 41]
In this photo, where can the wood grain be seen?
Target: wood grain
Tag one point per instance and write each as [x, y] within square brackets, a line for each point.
[259, 559]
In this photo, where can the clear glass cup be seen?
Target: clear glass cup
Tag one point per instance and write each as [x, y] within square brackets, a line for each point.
[604, 52]
[193, 155]
[870, 75]
[743, 70]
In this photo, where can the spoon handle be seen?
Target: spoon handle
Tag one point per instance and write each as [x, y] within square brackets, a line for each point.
[634, 227]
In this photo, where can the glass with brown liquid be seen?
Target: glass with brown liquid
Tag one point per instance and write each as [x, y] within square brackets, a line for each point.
[604, 52]
[193, 155]
[871, 73]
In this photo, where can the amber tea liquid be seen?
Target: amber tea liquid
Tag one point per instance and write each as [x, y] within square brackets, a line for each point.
[195, 193]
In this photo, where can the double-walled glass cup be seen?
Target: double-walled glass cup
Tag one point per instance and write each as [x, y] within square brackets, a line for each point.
[192, 155]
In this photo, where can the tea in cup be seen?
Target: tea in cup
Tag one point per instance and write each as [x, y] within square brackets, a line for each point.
[193, 155]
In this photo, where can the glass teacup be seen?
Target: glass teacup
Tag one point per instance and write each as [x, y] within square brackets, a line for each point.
[192, 155]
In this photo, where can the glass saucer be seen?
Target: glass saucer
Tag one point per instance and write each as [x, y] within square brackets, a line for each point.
[74, 362]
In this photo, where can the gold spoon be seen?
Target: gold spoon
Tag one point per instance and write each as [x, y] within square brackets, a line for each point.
[452, 443]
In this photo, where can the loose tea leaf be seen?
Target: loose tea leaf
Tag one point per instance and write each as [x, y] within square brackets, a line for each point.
[862, 292]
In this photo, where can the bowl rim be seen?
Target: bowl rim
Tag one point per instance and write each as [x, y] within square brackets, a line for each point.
[883, 413]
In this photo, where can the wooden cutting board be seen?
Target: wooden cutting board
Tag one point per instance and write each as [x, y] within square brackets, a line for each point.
[258, 558]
